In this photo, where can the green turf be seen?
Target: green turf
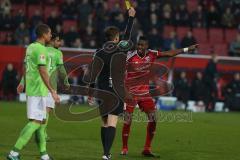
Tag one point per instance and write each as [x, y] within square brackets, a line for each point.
[208, 136]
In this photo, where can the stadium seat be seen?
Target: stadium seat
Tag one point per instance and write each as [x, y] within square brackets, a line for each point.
[205, 48]
[192, 5]
[167, 29]
[48, 9]
[200, 34]
[3, 35]
[31, 10]
[67, 24]
[230, 35]
[182, 31]
[221, 49]
[215, 35]
[17, 7]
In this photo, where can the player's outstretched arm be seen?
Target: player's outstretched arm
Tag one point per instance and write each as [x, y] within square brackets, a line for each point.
[128, 30]
[173, 53]
[45, 77]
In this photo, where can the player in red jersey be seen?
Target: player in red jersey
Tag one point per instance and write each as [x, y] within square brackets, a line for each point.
[139, 63]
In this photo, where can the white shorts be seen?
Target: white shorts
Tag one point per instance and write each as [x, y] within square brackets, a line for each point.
[50, 101]
[36, 108]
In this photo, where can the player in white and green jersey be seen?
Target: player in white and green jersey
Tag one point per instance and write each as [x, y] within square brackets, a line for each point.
[56, 69]
[37, 87]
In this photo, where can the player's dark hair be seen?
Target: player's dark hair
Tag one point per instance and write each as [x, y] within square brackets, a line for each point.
[54, 36]
[41, 29]
[111, 32]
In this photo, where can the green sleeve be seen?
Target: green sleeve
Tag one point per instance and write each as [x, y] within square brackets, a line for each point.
[63, 74]
[60, 58]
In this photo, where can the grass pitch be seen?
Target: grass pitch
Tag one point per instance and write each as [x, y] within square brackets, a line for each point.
[203, 136]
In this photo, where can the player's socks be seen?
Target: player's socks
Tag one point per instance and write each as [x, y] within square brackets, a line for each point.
[111, 131]
[103, 137]
[25, 135]
[46, 123]
[151, 128]
[125, 135]
[42, 139]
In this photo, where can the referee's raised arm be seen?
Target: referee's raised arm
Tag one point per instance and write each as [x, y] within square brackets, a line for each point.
[128, 30]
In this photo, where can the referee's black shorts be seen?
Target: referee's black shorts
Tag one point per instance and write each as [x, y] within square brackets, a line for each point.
[115, 107]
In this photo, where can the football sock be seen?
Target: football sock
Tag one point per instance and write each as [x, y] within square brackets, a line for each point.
[151, 128]
[111, 131]
[25, 135]
[103, 137]
[125, 134]
[42, 139]
[45, 125]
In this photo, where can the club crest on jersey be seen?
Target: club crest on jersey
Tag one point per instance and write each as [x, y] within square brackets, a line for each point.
[42, 57]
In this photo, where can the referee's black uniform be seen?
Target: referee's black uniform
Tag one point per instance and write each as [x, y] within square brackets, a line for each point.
[110, 80]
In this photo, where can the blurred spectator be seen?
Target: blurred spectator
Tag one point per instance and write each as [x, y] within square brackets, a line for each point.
[188, 40]
[210, 80]
[182, 88]
[198, 17]
[155, 40]
[6, 22]
[77, 43]
[20, 33]
[119, 21]
[154, 22]
[235, 47]
[198, 88]
[232, 93]
[58, 30]
[9, 82]
[71, 36]
[6, 6]
[68, 8]
[53, 20]
[228, 18]
[213, 17]
[26, 40]
[172, 42]
[36, 18]
[167, 14]
[19, 18]
[9, 40]
[181, 16]
[84, 10]
[89, 38]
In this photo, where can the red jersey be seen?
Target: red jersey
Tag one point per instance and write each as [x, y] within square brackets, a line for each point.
[138, 69]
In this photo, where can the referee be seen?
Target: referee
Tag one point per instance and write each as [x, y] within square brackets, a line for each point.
[108, 68]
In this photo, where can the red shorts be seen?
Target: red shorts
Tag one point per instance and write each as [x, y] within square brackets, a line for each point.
[146, 105]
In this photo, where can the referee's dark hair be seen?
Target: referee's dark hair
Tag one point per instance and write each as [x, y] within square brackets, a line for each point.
[111, 32]
[41, 29]
[143, 38]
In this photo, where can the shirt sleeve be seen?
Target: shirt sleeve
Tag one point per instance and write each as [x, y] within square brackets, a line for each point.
[60, 58]
[159, 54]
[41, 56]
[128, 30]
